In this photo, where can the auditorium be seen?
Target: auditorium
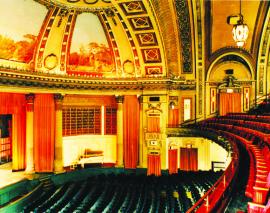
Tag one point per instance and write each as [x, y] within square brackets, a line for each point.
[135, 106]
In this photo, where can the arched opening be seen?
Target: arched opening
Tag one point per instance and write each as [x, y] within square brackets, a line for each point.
[229, 86]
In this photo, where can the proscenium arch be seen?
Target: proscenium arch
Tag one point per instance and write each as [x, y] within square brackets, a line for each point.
[245, 58]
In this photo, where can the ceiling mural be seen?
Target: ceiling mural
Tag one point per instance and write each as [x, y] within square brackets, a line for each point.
[19, 34]
[128, 39]
[90, 51]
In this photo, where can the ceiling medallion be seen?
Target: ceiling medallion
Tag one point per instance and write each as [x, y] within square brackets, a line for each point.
[50, 61]
[128, 67]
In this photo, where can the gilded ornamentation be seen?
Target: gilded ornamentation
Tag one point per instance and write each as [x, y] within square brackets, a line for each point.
[147, 39]
[133, 8]
[151, 55]
[140, 23]
[185, 35]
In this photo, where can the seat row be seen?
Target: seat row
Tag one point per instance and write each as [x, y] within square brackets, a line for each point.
[174, 193]
[257, 146]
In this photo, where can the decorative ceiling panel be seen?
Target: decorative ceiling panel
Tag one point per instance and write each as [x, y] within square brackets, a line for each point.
[147, 39]
[140, 23]
[185, 34]
[133, 8]
[151, 55]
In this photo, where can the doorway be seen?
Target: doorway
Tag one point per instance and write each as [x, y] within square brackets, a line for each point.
[229, 102]
[189, 159]
[5, 138]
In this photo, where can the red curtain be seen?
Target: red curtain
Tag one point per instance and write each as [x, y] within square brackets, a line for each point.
[44, 131]
[153, 165]
[189, 159]
[173, 161]
[131, 116]
[15, 104]
[229, 102]
[173, 117]
[184, 161]
[193, 159]
[153, 124]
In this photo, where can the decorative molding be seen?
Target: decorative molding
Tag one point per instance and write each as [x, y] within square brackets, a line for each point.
[262, 62]
[153, 70]
[147, 39]
[49, 81]
[112, 43]
[140, 23]
[78, 5]
[151, 55]
[185, 34]
[65, 50]
[233, 51]
[131, 42]
[133, 8]
[43, 37]
[50, 61]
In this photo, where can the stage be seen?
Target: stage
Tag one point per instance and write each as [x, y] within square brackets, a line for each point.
[8, 177]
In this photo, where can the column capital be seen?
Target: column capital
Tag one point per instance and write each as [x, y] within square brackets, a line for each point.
[119, 99]
[140, 98]
[58, 98]
[30, 102]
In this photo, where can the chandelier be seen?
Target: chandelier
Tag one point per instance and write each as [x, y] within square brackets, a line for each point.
[240, 31]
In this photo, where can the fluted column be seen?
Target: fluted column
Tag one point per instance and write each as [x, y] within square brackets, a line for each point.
[30, 133]
[58, 147]
[119, 100]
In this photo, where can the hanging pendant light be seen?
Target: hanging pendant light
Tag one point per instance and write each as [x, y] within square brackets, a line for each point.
[240, 31]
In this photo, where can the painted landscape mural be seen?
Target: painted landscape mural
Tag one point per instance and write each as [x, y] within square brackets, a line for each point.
[90, 52]
[18, 28]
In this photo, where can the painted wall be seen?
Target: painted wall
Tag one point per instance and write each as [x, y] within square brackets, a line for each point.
[74, 146]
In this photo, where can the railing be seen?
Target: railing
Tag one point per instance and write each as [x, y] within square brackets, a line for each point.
[257, 101]
[216, 197]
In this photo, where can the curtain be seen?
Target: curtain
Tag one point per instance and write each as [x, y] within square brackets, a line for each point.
[189, 159]
[173, 161]
[153, 124]
[131, 116]
[14, 104]
[229, 102]
[184, 161]
[44, 131]
[193, 159]
[173, 117]
[153, 165]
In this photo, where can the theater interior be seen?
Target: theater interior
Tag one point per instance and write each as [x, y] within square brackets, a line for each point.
[135, 106]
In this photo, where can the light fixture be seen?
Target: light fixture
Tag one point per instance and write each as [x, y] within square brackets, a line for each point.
[172, 105]
[240, 31]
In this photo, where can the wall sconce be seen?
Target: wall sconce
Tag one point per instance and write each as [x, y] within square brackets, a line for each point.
[172, 105]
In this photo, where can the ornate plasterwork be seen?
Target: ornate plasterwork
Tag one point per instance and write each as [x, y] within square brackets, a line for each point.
[78, 5]
[140, 19]
[263, 57]
[41, 80]
[185, 34]
[133, 8]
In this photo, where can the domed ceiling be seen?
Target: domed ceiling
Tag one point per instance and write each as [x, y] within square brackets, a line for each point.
[124, 38]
